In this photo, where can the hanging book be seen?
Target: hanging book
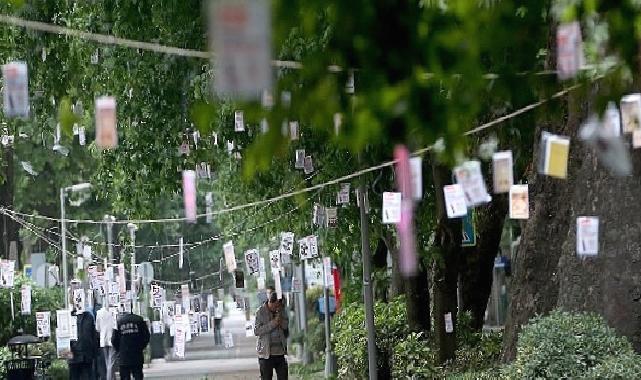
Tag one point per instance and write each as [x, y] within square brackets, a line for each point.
[470, 177]
[454, 201]
[569, 45]
[631, 112]
[15, 89]
[106, 132]
[391, 208]
[239, 121]
[189, 195]
[300, 159]
[502, 171]
[519, 202]
[230, 258]
[555, 152]
[587, 236]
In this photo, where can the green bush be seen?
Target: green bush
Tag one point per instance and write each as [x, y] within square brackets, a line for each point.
[59, 370]
[564, 345]
[315, 337]
[626, 366]
[5, 355]
[414, 358]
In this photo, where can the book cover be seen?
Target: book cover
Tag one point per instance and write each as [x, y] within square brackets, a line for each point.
[556, 158]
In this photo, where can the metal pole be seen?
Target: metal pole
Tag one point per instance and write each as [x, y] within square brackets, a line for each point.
[329, 359]
[134, 295]
[63, 237]
[367, 287]
[303, 313]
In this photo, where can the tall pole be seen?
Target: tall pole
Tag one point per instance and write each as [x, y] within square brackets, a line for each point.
[63, 238]
[109, 219]
[134, 296]
[329, 357]
[367, 286]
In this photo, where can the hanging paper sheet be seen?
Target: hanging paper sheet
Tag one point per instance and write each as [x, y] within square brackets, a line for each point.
[308, 167]
[277, 284]
[554, 153]
[43, 324]
[569, 53]
[331, 217]
[15, 89]
[229, 340]
[342, 197]
[249, 329]
[189, 194]
[7, 273]
[416, 168]
[300, 159]
[519, 202]
[293, 130]
[470, 177]
[608, 145]
[106, 129]
[405, 228]
[631, 112]
[286, 247]
[303, 249]
[503, 177]
[391, 208]
[449, 325]
[312, 243]
[328, 278]
[240, 35]
[587, 236]
[63, 323]
[239, 121]
[25, 300]
[252, 262]
[274, 259]
[230, 258]
[454, 201]
[469, 229]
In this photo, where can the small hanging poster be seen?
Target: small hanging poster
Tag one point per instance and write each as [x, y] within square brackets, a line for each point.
[239, 121]
[303, 249]
[631, 112]
[343, 195]
[449, 326]
[79, 300]
[189, 195]
[556, 150]
[587, 236]
[181, 252]
[230, 258]
[286, 247]
[328, 278]
[312, 243]
[260, 282]
[318, 214]
[297, 285]
[519, 202]
[569, 53]
[25, 303]
[156, 296]
[251, 261]
[502, 171]
[294, 133]
[249, 329]
[300, 159]
[156, 327]
[612, 120]
[469, 229]
[82, 137]
[16, 94]
[309, 165]
[43, 324]
[416, 174]
[7, 273]
[106, 132]
[391, 208]
[63, 347]
[179, 339]
[209, 204]
[636, 139]
[274, 259]
[470, 177]
[63, 323]
[455, 201]
[338, 123]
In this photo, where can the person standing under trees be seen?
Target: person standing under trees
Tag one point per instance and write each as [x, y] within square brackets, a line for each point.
[84, 349]
[130, 339]
[270, 326]
[105, 327]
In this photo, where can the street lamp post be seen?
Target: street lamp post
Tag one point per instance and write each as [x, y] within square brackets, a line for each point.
[63, 231]
[132, 234]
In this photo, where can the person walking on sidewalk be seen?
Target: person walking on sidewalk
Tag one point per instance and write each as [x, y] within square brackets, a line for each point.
[270, 325]
[130, 339]
[105, 327]
[84, 349]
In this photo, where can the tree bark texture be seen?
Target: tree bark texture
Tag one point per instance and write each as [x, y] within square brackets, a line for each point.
[547, 272]
[445, 267]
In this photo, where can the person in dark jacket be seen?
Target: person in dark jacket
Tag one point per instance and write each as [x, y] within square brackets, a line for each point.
[84, 349]
[129, 340]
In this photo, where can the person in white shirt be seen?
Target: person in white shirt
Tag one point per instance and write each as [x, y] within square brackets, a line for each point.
[105, 326]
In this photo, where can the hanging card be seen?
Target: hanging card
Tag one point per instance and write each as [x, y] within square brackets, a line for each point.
[106, 132]
[309, 165]
[274, 259]
[556, 158]
[251, 262]
[454, 201]
[43, 324]
[277, 284]
[189, 194]
[249, 329]
[468, 228]
[391, 208]
[300, 159]
[631, 112]
[312, 243]
[503, 176]
[230, 258]
[240, 35]
[587, 236]
[331, 217]
[449, 325]
[63, 347]
[286, 247]
[569, 45]
[303, 249]
[7, 273]
[294, 131]
[63, 323]
[608, 145]
[25, 300]
[343, 195]
[181, 252]
[15, 89]
[519, 202]
[416, 172]
[239, 121]
[328, 278]
[612, 120]
[470, 177]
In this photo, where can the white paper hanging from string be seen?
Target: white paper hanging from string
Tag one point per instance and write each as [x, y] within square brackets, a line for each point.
[106, 132]
[286, 247]
[181, 252]
[82, 138]
[612, 120]
[331, 217]
[7, 273]
[15, 89]
[470, 177]
[519, 202]
[277, 285]
[189, 194]
[79, 300]
[309, 165]
[312, 244]
[179, 337]
[303, 249]
[240, 35]
[608, 145]
[328, 278]
[25, 299]
[569, 45]
[342, 197]
[338, 123]
[502, 172]
[230, 258]
[251, 262]
[455, 201]
[416, 173]
[300, 159]
[587, 236]
[554, 152]
[449, 325]
[293, 130]
[391, 208]
[249, 329]
[43, 324]
[264, 126]
[274, 259]
[209, 204]
[63, 323]
[631, 112]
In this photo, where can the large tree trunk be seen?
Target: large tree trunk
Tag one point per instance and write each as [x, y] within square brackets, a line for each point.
[477, 263]
[547, 272]
[445, 268]
[417, 300]
[8, 227]
[397, 285]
